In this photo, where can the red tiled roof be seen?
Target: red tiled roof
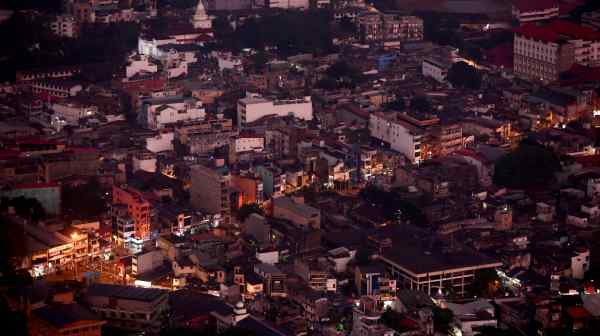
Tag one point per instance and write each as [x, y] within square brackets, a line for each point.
[537, 33]
[557, 29]
[573, 30]
[534, 5]
[567, 7]
[501, 55]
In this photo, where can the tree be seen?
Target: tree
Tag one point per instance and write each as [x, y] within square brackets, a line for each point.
[493, 331]
[15, 322]
[327, 83]
[84, 201]
[391, 204]
[260, 60]
[462, 75]
[246, 210]
[530, 165]
[359, 136]
[486, 283]
[13, 245]
[28, 208]
[347, 26]
[397, 105]
[442, 318]
[420, 103]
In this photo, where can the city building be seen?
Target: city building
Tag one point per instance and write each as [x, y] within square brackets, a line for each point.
[414, 265]
[139, 65]
[73, 110]
[295, 211]
[436, 68]
[50, 251]
[541, 57]
[50, 90]
[254, 107]
[64, 26]
[401, 135]
[128, 307]
[288, 4]
[59, 319]
[591, 19]
[526, 11]
[158, 112]
[200, 20]
[543, 52]
[138, 209]
[210, 189]
[378, 27]
[366, 319]
[123, 228]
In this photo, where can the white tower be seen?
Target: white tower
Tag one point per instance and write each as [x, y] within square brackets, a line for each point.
[200, 20]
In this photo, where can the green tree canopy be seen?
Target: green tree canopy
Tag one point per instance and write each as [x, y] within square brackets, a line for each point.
[391, 205]
[287, 31]
[420, 103]
[530, 165]
[246, 210]
[397, 105]
[442, 318]
[485, 283]
[462, 75]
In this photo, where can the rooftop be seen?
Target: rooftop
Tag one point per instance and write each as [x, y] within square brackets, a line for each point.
[126, 292]
[534, 5]
[63, 315]
[419, 252]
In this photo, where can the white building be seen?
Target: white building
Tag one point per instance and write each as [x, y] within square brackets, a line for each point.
[72, 112]
[246, 143]
[539, 55]
[140, 64]
[288, 4]
[580, 263]
[254, 107]
[159, 112]
[527, 11]
[227, 61]
[175, 58]
[473, 315]
[200, 20]
[162, 142]
[145, 161]
[436, 69]
[64, 26]
[399, 134]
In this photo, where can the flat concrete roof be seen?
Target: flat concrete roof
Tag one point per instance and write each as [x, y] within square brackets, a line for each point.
[419, 252]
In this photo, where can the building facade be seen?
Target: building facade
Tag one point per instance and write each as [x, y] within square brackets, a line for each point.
[541, 56]
[377, 27]
[210, 190]
[254, 107]
[527, 11]
[138, 208]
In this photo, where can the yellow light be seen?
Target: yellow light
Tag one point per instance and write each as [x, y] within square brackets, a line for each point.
[74, 235]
